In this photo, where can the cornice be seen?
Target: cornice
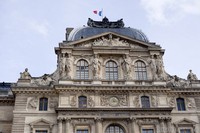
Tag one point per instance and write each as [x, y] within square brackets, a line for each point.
[32, 90]
[7, 101]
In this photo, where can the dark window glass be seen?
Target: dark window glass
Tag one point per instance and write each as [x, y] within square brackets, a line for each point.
[185, 131]
[145, 102]
[147, 131]
[114, 129]
[140, 71]
[82, 71]
[82, 131]
[180, 104]
[111, 70]
[41, 131]
[82, 100]
[43, 104]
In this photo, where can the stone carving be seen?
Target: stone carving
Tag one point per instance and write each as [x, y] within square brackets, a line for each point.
[53, 103]
[119, 100]
[175, 81]
[172, 102]
[91, 102]
[66, 66]
[110, 42]
[154, 101]
[25, 74]
[46, 79]
[126, 66]
[191, 76]
[33, 103]
[105, 23]
[190, 103]
[136, 101]
[73, 101]
[97, 67]
[157, 68]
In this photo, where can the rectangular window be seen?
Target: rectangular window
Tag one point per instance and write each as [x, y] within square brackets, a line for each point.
[41, 131]
[147, 131]
[185, 131]
[82, 131]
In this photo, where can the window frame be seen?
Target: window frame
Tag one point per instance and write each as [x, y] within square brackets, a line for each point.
[140, 70]
[115, 126]
[111, 70]
[82, 103]
[82, 69]
[43, 105]
[144, 101]
[180, 104]
[185, 128]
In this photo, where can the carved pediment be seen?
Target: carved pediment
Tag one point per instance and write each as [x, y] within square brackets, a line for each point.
[41, 122]
[111, 39]
[185, 122]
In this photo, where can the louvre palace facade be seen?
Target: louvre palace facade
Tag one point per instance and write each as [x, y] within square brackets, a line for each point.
[109, 79]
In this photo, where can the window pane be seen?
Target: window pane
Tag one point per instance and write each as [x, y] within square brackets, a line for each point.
[43, 105]
[140, 71]
[114, 129]
[180, 104]
[82, 101]
[82, 70]
[82, 131]
[145, 102]
[147, 131]
[41, 131]
[111, 70]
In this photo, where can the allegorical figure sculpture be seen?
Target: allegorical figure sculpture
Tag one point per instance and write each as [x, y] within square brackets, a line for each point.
[97, 67]
[191, 76]
[69, 65]
[157, 68]
[25, 74]
[126, 66]
[62, 65]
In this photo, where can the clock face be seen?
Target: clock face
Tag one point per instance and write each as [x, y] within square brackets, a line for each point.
[114, 101]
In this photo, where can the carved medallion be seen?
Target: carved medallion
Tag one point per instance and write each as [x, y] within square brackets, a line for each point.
[113, 101]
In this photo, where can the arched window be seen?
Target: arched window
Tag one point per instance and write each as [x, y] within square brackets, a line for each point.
[180, 104]
[145, 102]
[82, 101]
[82, 71]
[111, 70]
[43, 105]
[114, 129]
[140, 70]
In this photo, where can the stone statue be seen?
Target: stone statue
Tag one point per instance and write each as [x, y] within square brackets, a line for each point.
[69, 66]
[62, 65]
[66, 66]
[97, 67]
[191, 76]
[126, 66]
[152, 63]
[25, 74]
[157, 68]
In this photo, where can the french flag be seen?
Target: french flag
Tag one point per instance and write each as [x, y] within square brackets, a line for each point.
[98, 12]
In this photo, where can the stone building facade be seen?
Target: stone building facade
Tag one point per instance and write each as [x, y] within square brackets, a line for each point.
[109, 79]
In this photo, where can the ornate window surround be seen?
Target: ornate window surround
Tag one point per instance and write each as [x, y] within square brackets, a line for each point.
[143, 71]
[185, 124]
[41, 124]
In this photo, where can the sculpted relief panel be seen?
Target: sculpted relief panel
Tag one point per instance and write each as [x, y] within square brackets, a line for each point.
[113, 100]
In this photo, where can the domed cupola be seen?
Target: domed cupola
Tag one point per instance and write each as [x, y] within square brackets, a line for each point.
[98, 27]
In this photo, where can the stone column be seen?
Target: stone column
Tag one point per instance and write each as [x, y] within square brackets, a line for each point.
[99, 127]
[169, 127]
[68, 129]
[162, 126]
[132, 125]
[59, 125]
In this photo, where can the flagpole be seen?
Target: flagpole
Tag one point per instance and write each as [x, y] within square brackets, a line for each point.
[102, 13]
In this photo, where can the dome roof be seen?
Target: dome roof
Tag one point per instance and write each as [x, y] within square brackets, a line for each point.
[84, 32]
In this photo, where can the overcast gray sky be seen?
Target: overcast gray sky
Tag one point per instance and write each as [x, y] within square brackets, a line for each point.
[30, 29]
